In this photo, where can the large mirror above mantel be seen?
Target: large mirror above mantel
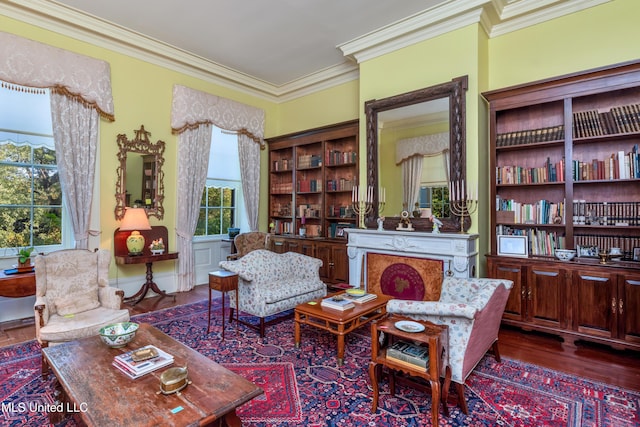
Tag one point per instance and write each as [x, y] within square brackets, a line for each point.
[416, 141]
[140, 179]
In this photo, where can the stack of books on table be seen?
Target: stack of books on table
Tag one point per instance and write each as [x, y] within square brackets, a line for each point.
[362, 298]
[136, 363]
[408, 354]
[337, 303]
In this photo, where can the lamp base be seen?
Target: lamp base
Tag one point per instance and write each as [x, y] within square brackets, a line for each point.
[135, 243]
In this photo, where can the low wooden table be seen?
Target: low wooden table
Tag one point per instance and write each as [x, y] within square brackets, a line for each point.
[101, 395]
[338, 322]
[435, 337]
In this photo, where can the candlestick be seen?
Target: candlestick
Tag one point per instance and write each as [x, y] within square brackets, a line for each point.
[463, 203]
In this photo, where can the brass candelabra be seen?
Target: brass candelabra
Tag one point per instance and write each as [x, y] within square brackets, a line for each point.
[362, 202]
[462, 201]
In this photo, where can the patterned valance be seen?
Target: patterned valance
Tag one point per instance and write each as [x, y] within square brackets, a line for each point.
[193, 107]
[30, 63]
[425, 145]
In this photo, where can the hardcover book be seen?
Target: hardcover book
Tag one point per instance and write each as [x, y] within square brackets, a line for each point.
[337, 303]
[411, 353]
[134, 369]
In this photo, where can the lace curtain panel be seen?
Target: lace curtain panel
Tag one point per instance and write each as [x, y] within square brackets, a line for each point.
[409, 155]
[75, 134]
[193, 162]
[192, 113]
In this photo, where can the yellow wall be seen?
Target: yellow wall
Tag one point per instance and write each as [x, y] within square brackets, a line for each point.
[595, 37]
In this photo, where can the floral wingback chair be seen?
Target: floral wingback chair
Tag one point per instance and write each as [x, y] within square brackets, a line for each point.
[472, 308]
[247, 242]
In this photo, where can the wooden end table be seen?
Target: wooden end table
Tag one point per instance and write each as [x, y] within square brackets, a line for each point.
[435, 336]
[338, 322]
[223, 281]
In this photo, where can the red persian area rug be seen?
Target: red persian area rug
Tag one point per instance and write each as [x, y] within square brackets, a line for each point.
[305, 386]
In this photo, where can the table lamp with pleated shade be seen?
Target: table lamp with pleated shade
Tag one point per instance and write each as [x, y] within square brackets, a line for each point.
[135, 219]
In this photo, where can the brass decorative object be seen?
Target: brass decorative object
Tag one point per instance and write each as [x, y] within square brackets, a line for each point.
[173, 380]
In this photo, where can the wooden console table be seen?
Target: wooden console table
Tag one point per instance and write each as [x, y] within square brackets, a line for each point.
[123, 258]
[17, 285]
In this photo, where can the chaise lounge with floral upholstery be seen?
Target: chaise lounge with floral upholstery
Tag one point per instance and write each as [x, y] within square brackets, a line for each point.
[270, 283]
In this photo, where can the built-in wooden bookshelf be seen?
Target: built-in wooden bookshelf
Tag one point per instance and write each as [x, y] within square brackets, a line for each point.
[565, 174]
[311, 178]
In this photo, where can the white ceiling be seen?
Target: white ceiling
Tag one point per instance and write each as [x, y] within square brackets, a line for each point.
[278, 49]
[274, 41]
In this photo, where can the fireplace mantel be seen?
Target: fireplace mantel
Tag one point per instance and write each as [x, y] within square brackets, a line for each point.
[458, 251]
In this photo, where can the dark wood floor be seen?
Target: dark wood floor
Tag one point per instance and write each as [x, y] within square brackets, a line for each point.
[598, 363]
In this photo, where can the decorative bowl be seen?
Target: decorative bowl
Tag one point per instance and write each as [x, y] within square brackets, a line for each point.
[565, 254]
[118, 334]
[233, 232]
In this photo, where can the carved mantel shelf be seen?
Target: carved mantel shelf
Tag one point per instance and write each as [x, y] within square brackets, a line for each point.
[458, 251]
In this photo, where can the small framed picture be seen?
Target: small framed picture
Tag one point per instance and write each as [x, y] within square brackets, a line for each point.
[588, 251]
[340, 232]
[636, 254]
[513, 246]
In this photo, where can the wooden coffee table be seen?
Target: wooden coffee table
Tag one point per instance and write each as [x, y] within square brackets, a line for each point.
[338, 322]
[101, 395]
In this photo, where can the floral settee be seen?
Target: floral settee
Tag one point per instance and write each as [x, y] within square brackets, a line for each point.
[270, 283]
[472, 308]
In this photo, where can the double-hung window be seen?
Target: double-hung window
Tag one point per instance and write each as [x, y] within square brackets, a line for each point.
[31, 203]
[222, 204]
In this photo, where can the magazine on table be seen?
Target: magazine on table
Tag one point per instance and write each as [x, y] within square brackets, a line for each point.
[361, 299]
[337, 303]
[141, 361]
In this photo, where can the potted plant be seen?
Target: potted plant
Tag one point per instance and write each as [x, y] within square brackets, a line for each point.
[24, 257]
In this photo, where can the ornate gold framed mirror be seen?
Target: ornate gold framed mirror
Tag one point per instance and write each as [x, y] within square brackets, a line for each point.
[446, 102]
[140, 179]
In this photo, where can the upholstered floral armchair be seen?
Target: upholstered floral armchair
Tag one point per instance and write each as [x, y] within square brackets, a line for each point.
[472, 308]
[270, 283]
[247, 242]
[73, 296]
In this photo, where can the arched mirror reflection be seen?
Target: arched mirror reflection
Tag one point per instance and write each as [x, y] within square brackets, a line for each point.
[416, 148]
[140, 180]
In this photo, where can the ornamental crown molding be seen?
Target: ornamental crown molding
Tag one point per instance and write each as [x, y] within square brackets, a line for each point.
[496, 17]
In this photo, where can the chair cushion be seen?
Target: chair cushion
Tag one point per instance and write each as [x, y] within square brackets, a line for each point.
[82, 300]
[81, 325]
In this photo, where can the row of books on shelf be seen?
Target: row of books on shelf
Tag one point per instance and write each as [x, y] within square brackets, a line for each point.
[309, 161]
[619, 119]
[150, 359]
[341, 184]
[606, 213]
[340, 211]
[281, 187]
[530, 136]
[336, 157]
[625, 243]
[281, 165]
[549, 172]
[540, 242]
[617, 166]
[541, 212]
[309, 185]
[408, 354]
